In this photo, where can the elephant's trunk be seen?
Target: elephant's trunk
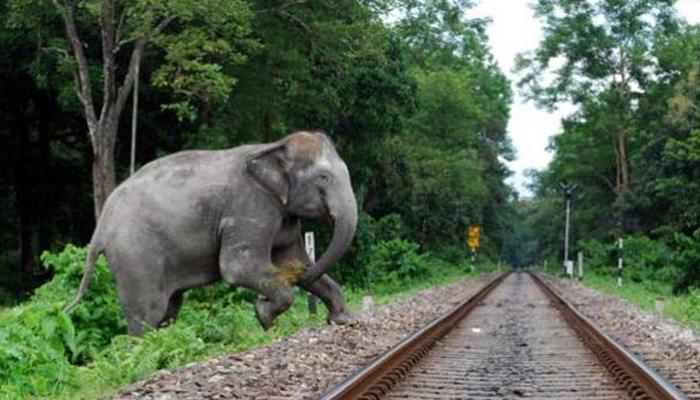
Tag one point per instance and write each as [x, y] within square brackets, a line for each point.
[343, 212]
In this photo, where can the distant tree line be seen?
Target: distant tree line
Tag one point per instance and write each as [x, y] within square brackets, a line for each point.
[633, 146]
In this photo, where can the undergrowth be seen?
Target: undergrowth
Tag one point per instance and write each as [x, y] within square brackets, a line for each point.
[684, 308]
[46, 353]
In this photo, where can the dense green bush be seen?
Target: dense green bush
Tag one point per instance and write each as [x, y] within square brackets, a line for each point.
[46, 353]
[600, 257]
[356, 269]
[397, 261]
[648, 260]
[99, 317]
[686, 260]
[674, 262]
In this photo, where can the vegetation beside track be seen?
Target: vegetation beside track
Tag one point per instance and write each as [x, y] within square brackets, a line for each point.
[46, 353]
[684, 308]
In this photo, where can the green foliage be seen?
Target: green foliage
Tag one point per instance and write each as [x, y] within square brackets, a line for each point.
[684, 308]
[632, 70]
[686, 260]
[357, 268]
[645, 260]
[437, 192]
[47, 353]
[99, 318]
[397, 261]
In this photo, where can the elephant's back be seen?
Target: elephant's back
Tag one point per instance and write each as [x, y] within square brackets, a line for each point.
[173, 201]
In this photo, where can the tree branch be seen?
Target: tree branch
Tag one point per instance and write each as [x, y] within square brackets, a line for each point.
[136, 54]
[282, 6]
[107, 29]
[118, 35]
[82, 86]
[59, 50]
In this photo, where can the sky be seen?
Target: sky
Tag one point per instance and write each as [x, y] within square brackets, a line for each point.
[513, 30]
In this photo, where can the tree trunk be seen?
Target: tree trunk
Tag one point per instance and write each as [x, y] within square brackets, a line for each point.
[24, 212]
[624, 162]
[103, 169]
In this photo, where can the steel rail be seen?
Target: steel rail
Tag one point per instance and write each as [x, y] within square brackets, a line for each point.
[633, 373]
[375, 379]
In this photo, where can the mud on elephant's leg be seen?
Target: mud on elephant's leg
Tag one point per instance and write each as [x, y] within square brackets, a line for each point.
[242, 267]
[324, 288]
[331, 295]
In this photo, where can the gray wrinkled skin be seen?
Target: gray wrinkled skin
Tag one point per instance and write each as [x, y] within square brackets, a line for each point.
[194, 217]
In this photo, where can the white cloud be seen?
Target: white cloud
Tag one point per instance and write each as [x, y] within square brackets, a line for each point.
[690, 10]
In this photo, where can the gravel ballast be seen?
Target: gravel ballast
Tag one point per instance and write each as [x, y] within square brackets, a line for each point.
[672, 349]
[308, 363]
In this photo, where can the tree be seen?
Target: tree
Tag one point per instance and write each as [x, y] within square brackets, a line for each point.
[604, 49]
[195, 39]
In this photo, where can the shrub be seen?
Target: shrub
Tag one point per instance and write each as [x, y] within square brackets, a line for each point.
[647, 260]
[397, 260]
[686, 260]
[390, 226]
[356, 270]
[599, 256]
[98, 317]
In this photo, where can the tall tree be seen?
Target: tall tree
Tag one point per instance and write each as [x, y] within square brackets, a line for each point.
[598, 51]
[195, 38]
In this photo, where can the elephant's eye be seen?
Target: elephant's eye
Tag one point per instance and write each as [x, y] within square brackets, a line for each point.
[323, 179]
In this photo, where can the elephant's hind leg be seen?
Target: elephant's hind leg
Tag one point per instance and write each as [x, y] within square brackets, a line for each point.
[142, 292]
[145, 309]
[174, 305]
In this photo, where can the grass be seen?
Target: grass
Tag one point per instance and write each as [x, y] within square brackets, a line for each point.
[45, 353]
[684, 308]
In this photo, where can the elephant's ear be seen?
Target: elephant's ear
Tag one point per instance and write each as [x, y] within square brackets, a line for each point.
[269, 167]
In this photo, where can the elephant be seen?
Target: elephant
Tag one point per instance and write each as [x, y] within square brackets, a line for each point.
[194, 217]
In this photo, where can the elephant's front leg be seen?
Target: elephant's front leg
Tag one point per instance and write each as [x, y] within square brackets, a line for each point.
[325, 288]
[249, 266]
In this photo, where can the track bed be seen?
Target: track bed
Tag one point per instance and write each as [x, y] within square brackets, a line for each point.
[515, 344]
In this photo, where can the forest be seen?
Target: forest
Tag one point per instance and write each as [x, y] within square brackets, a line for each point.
[416, 105]
[417, 109]
[631, 148]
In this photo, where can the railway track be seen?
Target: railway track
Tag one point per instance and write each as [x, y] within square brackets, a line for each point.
[516, 338]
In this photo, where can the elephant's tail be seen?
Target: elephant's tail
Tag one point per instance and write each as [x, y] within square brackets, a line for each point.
[93, 253]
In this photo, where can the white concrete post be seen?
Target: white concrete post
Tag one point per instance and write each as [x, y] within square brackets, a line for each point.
[620, 247]
[309, 245]
[580, 265]
[566, 232]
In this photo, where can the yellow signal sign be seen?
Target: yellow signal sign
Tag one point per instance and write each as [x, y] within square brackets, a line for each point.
[474, 234]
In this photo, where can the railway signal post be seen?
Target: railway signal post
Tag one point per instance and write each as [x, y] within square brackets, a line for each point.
[473, 241]
[568, 195]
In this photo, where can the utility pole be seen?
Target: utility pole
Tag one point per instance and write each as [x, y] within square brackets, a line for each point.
[134, 113]
[568, 194]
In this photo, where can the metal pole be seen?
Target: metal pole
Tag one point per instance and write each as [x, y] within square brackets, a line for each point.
[566, 231]
[134, 112]
[568, 194]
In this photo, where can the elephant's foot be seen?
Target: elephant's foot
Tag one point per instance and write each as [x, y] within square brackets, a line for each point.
[264, 314]
[342, 318]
